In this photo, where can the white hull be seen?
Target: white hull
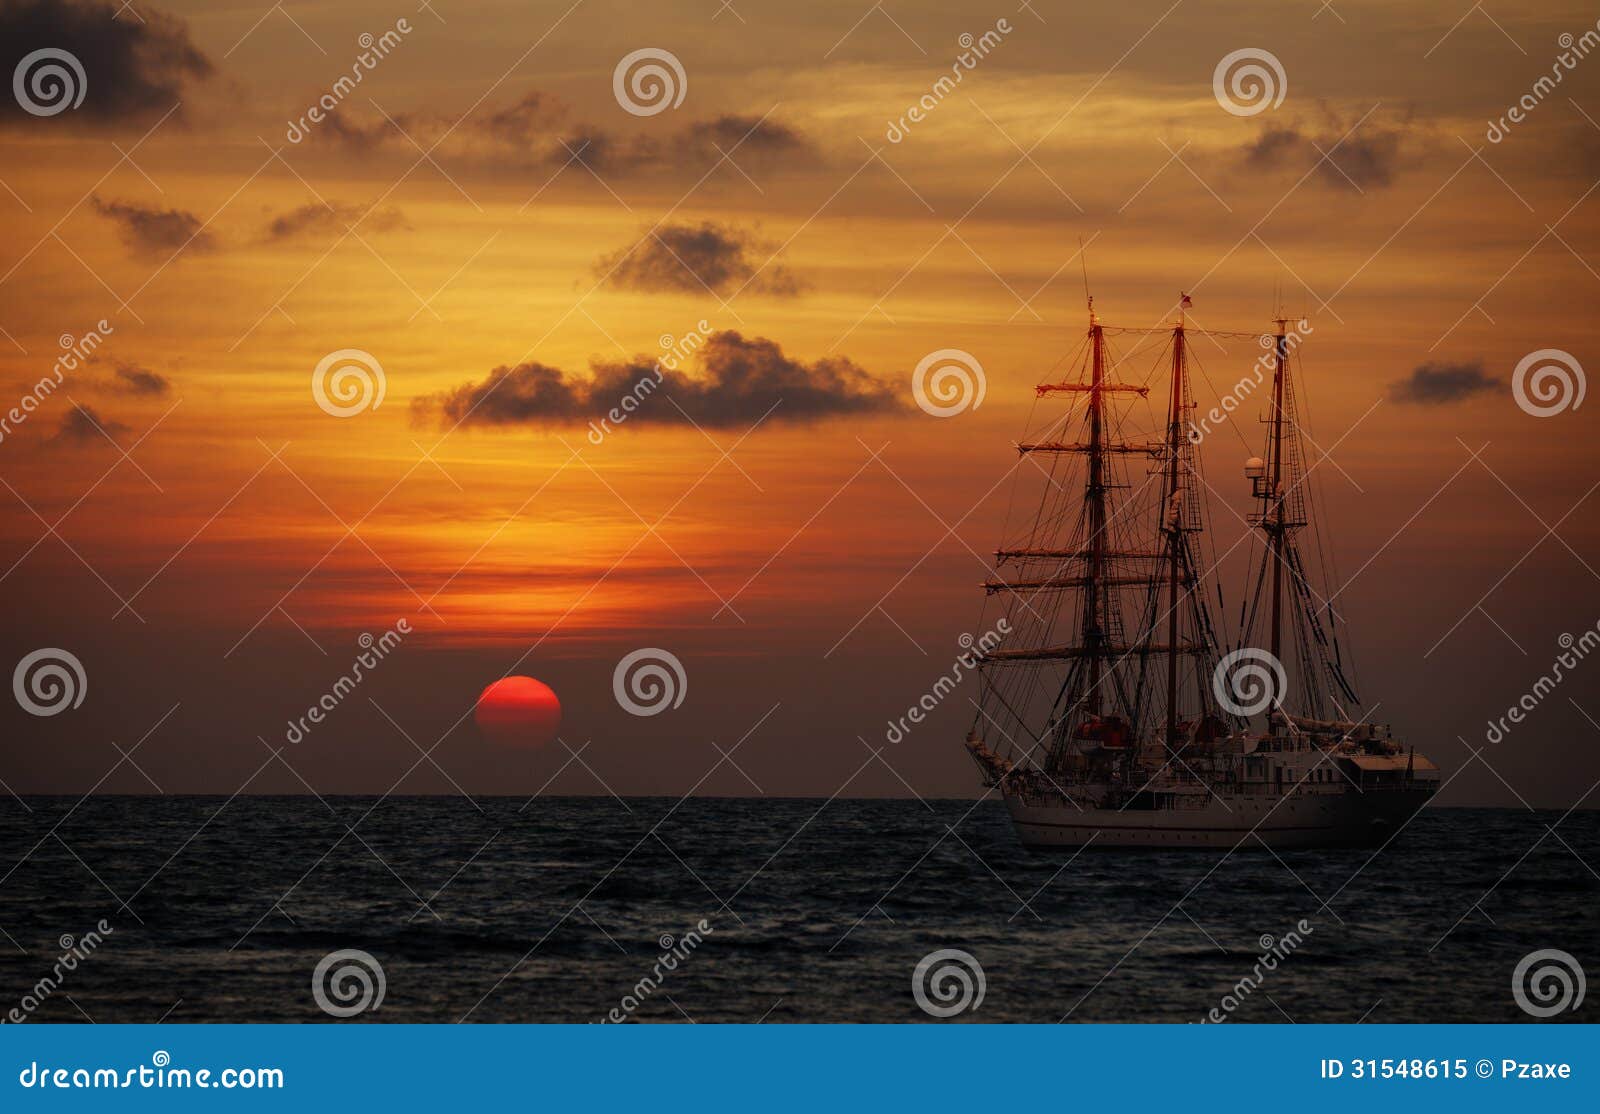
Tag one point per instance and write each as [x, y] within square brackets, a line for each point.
[1344, 817]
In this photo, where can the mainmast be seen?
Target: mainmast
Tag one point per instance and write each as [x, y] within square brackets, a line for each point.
[1173, 512]
[1276, 526]
[1093, 633]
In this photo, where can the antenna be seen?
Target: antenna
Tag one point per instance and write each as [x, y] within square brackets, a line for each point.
[1083, 260]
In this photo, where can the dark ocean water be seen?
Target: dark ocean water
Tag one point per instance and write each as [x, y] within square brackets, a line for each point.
[818, 912]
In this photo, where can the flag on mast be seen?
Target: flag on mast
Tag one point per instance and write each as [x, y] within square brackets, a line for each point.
[1186, 301]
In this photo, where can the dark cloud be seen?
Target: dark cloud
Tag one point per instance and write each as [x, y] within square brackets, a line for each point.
[334, 217]
[150, 231]
[537, 134]
[754, 137]
[82, 425]
[1436, 384]
[690, 258]
[135, 67]
[131, 379]
[343, 130]
[739, 382]
[1362, 160]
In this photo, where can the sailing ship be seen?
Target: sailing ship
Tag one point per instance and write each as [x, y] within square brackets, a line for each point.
[1114, 715]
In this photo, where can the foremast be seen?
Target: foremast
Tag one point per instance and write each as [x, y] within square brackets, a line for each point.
[1318, 687]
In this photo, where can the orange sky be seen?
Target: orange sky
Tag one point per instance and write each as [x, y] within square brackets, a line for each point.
[525, 545]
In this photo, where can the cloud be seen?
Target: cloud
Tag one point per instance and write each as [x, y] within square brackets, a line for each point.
[525, 122]
[1438, 384]
[131, 379]
[740, 381]
[537, 134]
[756, 138]
[150, 231]
[317, 218]
[135, 67]
[82, 425]
[1356, 161]
[689, 258]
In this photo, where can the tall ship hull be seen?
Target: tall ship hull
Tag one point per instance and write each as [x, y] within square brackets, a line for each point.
[1116, 714]
[1323, 818]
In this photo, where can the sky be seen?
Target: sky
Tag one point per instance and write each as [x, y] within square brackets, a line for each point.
[508, 233]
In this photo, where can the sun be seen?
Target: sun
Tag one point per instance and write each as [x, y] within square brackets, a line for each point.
[518, 711]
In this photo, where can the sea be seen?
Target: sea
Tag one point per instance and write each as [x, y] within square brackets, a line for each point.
[597, 909]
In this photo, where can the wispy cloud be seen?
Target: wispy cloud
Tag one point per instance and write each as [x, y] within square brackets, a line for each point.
[150, 231]
[694, 258]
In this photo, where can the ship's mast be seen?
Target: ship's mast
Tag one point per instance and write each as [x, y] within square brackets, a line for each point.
[1093, 635]
[1277, 528]
[1174, 524]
